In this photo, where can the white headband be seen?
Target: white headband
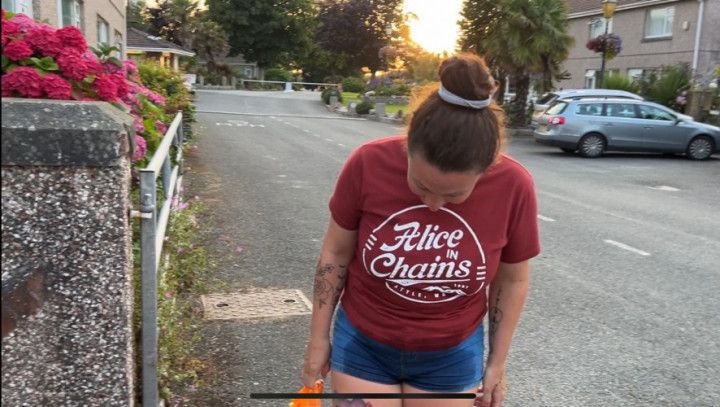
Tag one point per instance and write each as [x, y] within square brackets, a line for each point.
[454, 99]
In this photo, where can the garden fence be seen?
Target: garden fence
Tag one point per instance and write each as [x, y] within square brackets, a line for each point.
[153, 226]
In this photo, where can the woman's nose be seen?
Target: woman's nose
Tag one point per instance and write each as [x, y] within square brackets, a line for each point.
[434, 203]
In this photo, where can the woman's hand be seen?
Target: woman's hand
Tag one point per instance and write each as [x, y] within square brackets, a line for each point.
[317, 361]
[492, 391]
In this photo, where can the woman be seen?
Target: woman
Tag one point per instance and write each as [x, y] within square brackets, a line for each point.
[427, 234]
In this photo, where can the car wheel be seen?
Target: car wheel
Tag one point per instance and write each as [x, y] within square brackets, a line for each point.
[591, 145]
[700, 148]
[568, 150]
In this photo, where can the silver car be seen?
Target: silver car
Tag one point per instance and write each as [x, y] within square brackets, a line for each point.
[546, 100]
[593, 126]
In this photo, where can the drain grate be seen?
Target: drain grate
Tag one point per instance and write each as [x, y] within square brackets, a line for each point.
[256, 304]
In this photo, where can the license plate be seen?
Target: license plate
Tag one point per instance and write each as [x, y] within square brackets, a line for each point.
[543, 127]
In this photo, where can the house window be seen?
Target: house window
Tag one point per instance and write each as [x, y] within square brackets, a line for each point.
[659, 22]
[597, 26]
[103, 31]
[590, 78]
[71, 13]
[635, 73]
[119, 44]
[18, 6]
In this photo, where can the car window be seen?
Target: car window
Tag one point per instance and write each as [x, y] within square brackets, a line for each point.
[556, 108]
[625, 110]
[653, 113]
[546, 98]
[589, 109]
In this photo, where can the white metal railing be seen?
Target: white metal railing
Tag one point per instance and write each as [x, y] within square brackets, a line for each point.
[153, 227]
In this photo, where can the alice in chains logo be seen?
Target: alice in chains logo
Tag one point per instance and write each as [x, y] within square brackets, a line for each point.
[426, 256]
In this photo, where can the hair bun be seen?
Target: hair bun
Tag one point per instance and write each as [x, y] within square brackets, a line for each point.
[467, 76]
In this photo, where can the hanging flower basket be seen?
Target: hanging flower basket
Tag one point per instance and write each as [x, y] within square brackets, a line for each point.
[610, 44]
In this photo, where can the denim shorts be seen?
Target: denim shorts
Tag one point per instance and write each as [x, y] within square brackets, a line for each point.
[452, 370]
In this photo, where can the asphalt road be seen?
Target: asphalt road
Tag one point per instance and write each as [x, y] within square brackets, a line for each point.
[624, 300]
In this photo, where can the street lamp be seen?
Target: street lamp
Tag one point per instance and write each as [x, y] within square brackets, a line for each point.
[608, 8]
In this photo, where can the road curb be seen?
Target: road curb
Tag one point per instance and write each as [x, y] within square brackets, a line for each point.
[373, 117]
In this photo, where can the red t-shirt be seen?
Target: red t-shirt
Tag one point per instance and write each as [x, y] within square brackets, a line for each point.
[418, 279]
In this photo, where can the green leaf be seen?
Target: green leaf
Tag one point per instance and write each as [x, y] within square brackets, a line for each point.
[5, 62]
[115, 62]
[9, 15]
[96, 51]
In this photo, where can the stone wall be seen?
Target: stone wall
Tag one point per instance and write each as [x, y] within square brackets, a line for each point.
[67, 296]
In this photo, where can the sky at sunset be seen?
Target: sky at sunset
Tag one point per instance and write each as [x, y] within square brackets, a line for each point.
[436, 27]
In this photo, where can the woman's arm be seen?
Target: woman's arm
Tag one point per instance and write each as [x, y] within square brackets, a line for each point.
[507, 297]
[337, 251]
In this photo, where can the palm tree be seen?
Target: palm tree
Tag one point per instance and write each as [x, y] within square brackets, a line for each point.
[521, 37]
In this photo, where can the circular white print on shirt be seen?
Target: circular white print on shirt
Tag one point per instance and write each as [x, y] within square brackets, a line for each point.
[426, 256]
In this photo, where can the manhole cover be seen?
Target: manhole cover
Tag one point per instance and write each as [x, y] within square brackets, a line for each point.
[256, 304]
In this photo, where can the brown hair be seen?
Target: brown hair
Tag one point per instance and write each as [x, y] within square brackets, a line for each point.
[451, 137]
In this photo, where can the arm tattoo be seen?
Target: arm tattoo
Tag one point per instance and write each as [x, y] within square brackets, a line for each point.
[326, 291]
[495, 316]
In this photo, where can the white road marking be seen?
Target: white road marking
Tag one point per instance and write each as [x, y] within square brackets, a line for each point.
[341, 144]
[664, 188]
[545, 218]
[626, 247]
[306, 130]
[330, 140]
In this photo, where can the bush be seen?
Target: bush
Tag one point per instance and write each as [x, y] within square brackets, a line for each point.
[620, 82]
[672, 82]
[400, 89]
[665, 86]
[327, 93]
[169, 84]
[278, 74]
[353, 84]
[333, 79]
[364, 107]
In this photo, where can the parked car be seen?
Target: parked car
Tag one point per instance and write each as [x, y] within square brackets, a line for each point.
[548, 99]
[593, 126]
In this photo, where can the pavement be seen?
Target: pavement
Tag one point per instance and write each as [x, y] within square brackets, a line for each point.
[623, 306]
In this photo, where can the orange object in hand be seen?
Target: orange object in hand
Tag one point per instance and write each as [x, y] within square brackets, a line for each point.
[318, 389]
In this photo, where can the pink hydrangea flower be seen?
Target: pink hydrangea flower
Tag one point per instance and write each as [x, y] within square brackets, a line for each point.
[160, 126]
[24, 80]
[105, 87]
[139, 125]
[56, 87]
[121, 84]
[130, 66]
[72, 65]
[140, 148]
[23, 22]
[73, 38]
[44, 40]
[17, 50]
[10, 28]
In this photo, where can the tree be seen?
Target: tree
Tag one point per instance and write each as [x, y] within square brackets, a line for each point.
[358, 29]
[171, 19]
[263, 31]
[519, 37]
[136, 18]
[209, 39]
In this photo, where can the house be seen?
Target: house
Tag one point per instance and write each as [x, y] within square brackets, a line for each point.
[141, 45]
[653, 33]
[101, 21]
[246, 69]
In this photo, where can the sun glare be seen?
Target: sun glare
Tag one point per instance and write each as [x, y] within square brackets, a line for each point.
[435, 28]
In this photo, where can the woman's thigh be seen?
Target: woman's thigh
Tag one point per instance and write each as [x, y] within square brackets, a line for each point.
[406, 388]
[344, 383]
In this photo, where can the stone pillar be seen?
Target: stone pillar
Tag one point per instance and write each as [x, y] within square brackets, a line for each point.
[233, 82]
[223, 80]
[176, 62]
[380, 109]
[67, 264]
[201, 80]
